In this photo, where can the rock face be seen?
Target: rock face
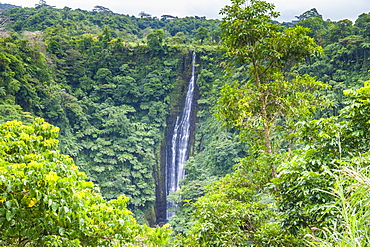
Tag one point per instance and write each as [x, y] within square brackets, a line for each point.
[178, 139]
[178, 151]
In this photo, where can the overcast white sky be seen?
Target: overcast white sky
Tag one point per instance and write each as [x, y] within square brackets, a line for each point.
[330, 9]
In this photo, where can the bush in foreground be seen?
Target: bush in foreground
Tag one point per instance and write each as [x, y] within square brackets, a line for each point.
[45, 200]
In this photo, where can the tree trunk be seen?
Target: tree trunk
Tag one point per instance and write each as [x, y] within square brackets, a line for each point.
[267, 135]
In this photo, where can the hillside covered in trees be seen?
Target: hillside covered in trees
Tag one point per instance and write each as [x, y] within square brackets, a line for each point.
[279, 139]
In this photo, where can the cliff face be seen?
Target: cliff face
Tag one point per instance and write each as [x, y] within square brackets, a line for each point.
[177, 97]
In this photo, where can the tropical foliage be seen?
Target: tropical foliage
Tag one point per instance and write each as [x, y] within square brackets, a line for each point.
[281, 164]
[46, 200]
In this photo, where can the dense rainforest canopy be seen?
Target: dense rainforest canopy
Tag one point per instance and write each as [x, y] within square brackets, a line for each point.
[280, 138]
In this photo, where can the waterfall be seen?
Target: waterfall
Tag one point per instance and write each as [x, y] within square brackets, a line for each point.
[179, 151]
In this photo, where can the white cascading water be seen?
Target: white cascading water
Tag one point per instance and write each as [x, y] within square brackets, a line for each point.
[179, 151]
